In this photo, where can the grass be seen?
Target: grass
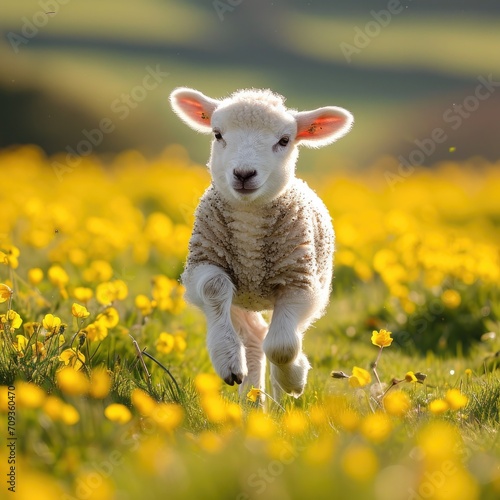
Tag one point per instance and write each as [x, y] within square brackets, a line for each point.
[116, 397]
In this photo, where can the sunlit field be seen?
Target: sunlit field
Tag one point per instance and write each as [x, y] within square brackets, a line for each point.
[107, 391]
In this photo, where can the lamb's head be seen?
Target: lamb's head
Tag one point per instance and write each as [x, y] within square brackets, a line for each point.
[256, 139]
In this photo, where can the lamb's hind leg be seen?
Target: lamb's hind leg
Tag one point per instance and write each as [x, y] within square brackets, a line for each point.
[211, 289]
[252, 329]
[292, 314]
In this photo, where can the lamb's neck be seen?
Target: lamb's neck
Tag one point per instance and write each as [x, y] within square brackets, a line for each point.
[255, 209]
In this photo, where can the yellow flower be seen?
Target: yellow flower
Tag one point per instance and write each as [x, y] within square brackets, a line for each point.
[440, 441]
[320, 451]
[53, 407]
[31, 328]
[168, 416]
[39, 350]
[438, 406]
[451, 299]
[360, 463]
[5, 292]
[105, 293]
[56, 409]
[254, 394]
[207, 383]
[69, 414]
[12, 318]
[233, 413]
[165, 343]
[21, 344]
[144, 403]
[410, 377]
[376, 427]
[295, 422]
[9, 256]
[72, 382]
[117, 413]
[82, 293]
[360, 377]
[98, 271]
[109, 317]
[382, 338]
[210, 441]
[180, 343]
[214, 407]
[144, 305]
[468, 372]
[260, 426]
[456, 399]
[58, 276]
[318, 416]
[52, 324]
[96, 332]
[397, 403]
[79, 311]
[109, 291]
[100, 383]
[121, 289]
[72, 358]
[29, 395]
[163, 288]
[35, 276]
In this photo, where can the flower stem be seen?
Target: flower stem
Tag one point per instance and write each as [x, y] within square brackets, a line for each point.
[374, 365]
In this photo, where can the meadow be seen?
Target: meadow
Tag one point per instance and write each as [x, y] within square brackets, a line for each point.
[107, 391]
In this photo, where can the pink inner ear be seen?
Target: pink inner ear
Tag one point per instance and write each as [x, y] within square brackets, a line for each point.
[321, 126]
[194, 109]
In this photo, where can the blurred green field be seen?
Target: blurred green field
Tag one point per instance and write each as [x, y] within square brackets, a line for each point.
[90, 262]
[423, 61]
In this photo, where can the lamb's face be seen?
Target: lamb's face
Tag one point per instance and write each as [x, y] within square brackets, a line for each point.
[254, 149]
[253, 152]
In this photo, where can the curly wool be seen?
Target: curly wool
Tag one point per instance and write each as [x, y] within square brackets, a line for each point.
[255, 108]
[286, 243]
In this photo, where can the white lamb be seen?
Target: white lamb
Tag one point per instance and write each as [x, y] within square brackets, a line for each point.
[262, 239]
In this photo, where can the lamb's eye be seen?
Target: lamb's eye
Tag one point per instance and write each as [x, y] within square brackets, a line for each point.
[217, 135]
[284, 141]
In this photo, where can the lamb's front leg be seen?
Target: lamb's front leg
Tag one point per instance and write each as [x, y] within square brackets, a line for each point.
[211, 289]
[292, 314]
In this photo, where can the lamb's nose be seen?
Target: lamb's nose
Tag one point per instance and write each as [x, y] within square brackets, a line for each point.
[243, 175]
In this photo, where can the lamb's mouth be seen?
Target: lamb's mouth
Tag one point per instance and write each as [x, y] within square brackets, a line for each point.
[245, 190]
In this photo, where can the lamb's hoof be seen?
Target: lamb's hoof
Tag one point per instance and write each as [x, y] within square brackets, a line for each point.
[234, 369]
[229, 360]
[291, 378]
[234, 377]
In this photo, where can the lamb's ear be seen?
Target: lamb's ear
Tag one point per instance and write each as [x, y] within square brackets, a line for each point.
[194, 108]
[322, 126]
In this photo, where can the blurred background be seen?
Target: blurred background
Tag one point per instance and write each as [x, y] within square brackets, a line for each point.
[75, 72]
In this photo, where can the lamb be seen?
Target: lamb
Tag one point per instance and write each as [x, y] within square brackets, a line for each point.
[262, 239]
